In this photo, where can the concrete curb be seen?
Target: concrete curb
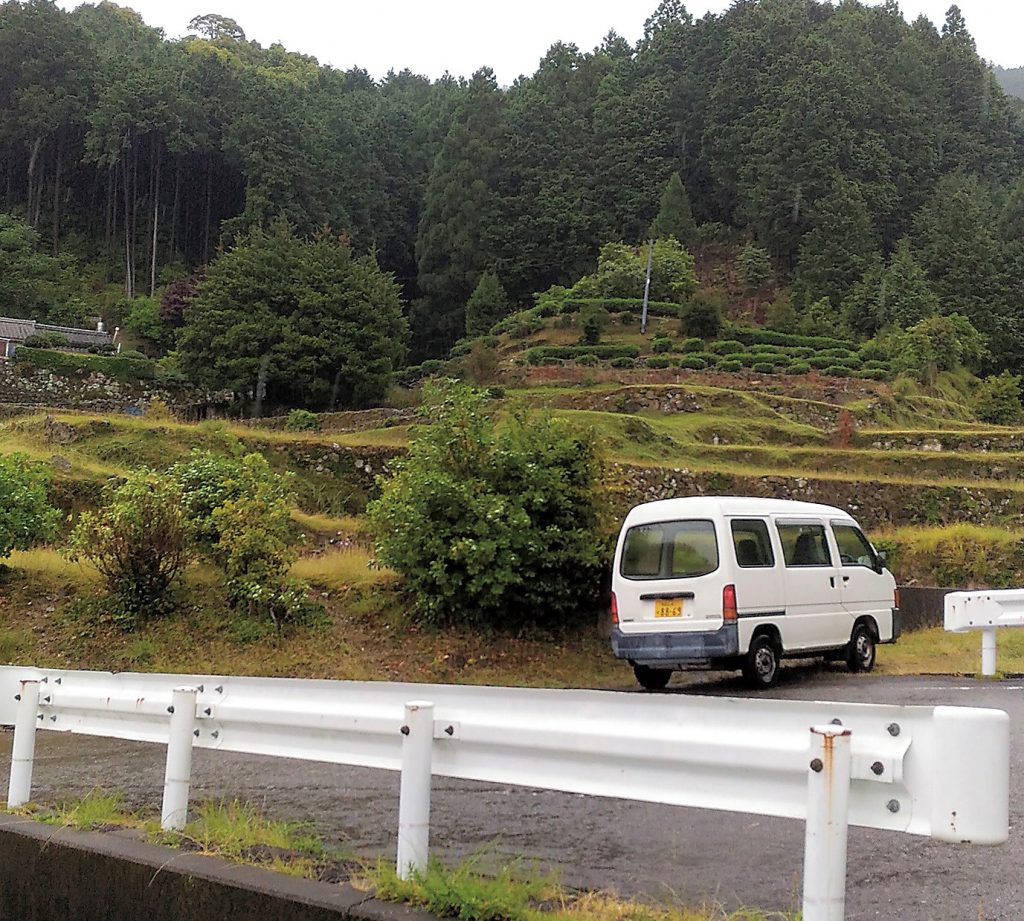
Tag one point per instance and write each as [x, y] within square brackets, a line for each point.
[61, 874]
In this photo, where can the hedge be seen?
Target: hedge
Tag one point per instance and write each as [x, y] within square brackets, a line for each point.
[729, 364]
[692, 363]
[725, 347]
[541, 353]
[751, 335]
[623, 363]
[799, 367]
[691, 345]
[127, 370]
[659, 363]
[764, 367]
[622, 304]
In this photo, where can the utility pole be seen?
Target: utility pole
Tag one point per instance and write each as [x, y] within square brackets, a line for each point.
[647, 288]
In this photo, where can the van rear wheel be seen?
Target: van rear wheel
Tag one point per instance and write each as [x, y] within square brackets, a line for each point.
[761, 665]
[652, 679]
[860, 652]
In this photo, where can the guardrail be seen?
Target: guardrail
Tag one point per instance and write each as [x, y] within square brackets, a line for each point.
[936, 771]
[987, 612]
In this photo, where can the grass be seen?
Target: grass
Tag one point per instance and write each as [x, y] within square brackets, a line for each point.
[936, 652]
[515, 893]
[347, 525]
[50, 565]
[341, 567]
[241, 833]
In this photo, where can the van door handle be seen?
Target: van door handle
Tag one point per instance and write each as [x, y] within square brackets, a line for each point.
[832, 581]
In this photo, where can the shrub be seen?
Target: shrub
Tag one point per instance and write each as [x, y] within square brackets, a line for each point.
[725, 347]
[543, 352]
[139, 541]
[692, 344]
[46, 341]
[657, 363]
[997, 399]
[587, 360]
[755, 267]
[159, 411]
[701, 316]
[481, 364]
[763, 367]
[692, 363]
[661, 344]
[752, 335]
[68, 363]
[302, 420]
[747, 359]
[489, 526]
[627, 318]
[26, 516]
[873, 374]
[623, 362]
[709, 358]
[838, 371]
[729, 364]
[799, 367]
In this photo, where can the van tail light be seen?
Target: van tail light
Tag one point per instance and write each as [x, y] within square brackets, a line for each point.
[896, 597]
[615, 609]
[729, 603]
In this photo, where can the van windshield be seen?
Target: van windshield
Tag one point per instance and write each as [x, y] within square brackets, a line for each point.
[670, 550]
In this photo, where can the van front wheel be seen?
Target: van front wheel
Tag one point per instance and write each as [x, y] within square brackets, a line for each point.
[652, 679]
[761, 666]
[860, 653]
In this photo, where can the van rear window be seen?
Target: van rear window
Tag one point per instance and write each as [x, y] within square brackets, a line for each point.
[670, 550]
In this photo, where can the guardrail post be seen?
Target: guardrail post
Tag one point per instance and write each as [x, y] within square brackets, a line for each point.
[23, 749]
[828, 796]
[988, 651]
[414, 797]
[178, 775]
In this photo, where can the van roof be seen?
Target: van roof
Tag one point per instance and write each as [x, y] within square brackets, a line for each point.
[706, 506]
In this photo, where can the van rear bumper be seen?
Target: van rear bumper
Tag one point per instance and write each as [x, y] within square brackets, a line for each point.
[676, 650]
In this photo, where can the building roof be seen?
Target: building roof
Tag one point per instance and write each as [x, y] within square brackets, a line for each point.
[16, 329]
[19, 330]
[82, 338]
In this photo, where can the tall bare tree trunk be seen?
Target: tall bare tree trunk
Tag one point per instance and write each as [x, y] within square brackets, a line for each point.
[261, 387]
[209, 197]
[129, 270]
[156, 221]
[174, 210]
[31, 179]
[56, 193]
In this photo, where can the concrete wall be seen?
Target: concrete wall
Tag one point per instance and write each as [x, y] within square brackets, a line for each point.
[58, 874]
[922, 606]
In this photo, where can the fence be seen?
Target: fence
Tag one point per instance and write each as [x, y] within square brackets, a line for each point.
[986, 611]
[936, 771]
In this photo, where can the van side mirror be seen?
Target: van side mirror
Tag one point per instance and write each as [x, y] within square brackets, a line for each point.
[881, 559]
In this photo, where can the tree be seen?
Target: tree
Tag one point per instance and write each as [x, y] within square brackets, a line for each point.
[139, 542]
[492, 526]
[621, 273]
[26, 516]
[215, 27]
[898, 295]
[300, 322]
[486, 305]
[33, 284]
[459, 208]
[755, 266]
[675, 219]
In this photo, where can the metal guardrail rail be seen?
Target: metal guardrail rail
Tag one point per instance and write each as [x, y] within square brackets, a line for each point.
[987, 611]
[936, 771]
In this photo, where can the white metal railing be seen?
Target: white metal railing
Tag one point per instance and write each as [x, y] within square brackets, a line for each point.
[986, 611]
[936, 771]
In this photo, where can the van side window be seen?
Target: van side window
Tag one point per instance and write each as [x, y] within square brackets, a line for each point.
[804, 545]
[752, 545]
[670, 550]
[854, 549]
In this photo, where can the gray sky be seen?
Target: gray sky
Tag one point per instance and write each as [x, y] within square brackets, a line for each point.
[430, 36]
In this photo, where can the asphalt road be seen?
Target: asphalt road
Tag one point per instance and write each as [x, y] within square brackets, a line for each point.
[668, 854]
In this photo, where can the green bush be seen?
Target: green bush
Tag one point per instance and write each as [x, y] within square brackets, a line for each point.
[691, 344]
[588, 360]
[752, 335]
[302, 420]
[747, 359]
[997, 399]
[836, 353]
[627, 318]
[693, 363]
[729, 364]
[661, 344]
[623, 362]
[46, 341]
[799, 367]
[763, 367]
[26, 516]
[490, 526]
[709, 357]
[139, 541]
[725, 347]
[657, 363]
[126, 370]
[540, 353]
[873, 374]
[701, 316]
[838, 371]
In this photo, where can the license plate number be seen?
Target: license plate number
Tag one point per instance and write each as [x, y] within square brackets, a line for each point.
[668, 607]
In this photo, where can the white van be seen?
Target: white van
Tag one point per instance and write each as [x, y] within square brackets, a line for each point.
[740, 583]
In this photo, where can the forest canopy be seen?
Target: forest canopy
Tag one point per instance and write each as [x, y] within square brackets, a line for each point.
[844, 141]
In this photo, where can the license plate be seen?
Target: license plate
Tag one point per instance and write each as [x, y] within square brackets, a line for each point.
[668, 607]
